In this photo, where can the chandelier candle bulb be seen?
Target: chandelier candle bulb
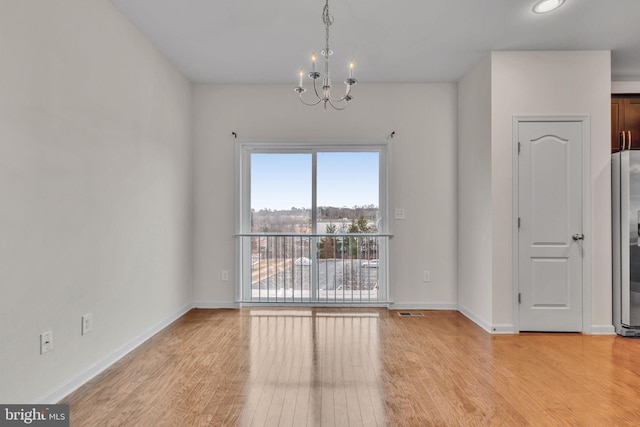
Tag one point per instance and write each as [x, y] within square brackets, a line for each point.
[301, 74]
[351, 65]
[313, 61]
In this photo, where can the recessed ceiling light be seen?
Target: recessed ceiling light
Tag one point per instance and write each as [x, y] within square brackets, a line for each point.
[544, 6]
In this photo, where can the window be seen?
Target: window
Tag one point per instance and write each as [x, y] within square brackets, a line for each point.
[311, 224]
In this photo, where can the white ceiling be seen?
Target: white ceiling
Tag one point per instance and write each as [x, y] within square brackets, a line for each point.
[261, 41]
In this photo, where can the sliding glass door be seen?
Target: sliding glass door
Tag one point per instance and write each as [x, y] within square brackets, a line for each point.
[311, 227]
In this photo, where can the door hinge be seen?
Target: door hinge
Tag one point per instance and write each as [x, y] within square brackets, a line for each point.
[518, 222]
[519, 147]
[519, 298]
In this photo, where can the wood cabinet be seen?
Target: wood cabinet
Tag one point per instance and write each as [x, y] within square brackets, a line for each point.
[625, 122]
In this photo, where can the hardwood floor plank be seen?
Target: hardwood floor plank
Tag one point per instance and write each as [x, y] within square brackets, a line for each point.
[361, 367]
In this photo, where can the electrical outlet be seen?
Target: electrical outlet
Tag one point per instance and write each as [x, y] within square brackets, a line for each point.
[87, 323]
[46, 342]
[399, 213]
[426, 276]
[224, 275]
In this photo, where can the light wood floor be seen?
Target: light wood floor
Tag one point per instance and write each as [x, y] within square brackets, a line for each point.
[362, 367]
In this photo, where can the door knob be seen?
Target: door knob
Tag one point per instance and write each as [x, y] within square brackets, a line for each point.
[577, 237]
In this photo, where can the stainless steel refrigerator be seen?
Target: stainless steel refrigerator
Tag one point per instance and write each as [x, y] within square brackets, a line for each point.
[625, 196]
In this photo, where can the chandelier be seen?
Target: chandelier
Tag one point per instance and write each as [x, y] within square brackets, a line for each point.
[323, 93]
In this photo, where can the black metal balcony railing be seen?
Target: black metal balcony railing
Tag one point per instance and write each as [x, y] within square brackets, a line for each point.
[318, 268]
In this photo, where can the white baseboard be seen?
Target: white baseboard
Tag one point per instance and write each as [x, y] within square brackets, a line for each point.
[210, 304]
[421, 306]
[109, 360]
[602, 330]
[503, 329]
[492, 329]
[475, 319]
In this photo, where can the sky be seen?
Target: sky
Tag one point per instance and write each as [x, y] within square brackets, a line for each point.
[283, 181]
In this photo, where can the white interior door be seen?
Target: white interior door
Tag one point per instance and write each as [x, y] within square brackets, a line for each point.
[550, 234]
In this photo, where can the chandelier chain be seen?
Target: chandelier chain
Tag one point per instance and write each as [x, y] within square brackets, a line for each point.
[327, 18]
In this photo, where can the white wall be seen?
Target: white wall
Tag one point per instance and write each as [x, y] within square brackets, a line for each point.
[94, 189]
[423, 173]
[551, 83]
[474, 194]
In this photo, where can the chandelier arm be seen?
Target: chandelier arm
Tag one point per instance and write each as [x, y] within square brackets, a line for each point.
[344, 97]
[312, 104]
[315, 89]
[331, 102]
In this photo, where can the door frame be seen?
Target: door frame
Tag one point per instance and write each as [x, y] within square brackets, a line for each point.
[586, 216]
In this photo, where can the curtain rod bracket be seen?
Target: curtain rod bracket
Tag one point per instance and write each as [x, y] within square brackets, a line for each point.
[235, 135]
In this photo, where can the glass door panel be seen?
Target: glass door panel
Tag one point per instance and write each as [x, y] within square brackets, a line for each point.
[348, 185]
[281, 200]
